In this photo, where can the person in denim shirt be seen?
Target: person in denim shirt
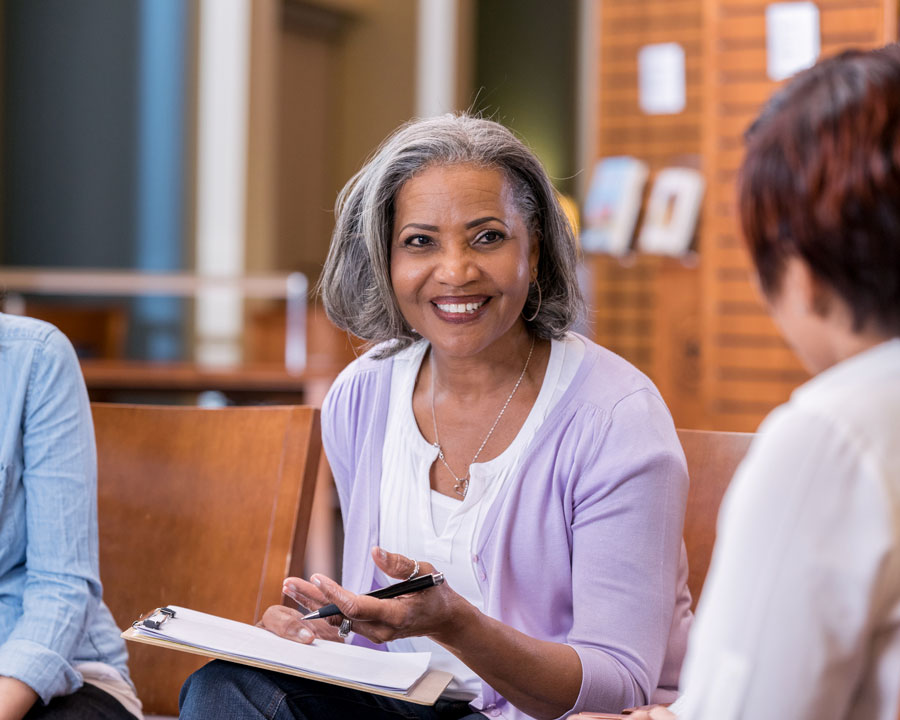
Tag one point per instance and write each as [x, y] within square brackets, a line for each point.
[60, 651]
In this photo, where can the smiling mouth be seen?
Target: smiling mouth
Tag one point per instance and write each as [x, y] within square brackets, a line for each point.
[461, 308]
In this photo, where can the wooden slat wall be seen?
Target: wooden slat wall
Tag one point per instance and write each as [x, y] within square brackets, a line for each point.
[747, 367]
[647, 308]
[701, 332]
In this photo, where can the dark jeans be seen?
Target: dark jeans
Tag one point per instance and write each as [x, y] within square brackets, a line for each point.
[88, 703]
[226, 691]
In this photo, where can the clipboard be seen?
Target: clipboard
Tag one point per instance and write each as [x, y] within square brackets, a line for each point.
[425, 691]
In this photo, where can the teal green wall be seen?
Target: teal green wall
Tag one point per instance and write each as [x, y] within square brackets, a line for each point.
[525, 75]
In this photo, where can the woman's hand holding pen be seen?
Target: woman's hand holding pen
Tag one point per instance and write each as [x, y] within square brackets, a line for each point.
[431, 612]
[540, 677]
[417, 614]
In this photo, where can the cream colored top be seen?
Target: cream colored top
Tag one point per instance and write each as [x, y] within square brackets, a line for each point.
[800, 614]
[425, 525]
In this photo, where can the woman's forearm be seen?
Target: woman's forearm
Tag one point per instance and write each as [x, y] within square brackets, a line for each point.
[541, 678]
[16, 699]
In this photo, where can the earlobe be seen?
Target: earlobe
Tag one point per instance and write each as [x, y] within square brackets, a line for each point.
[534, 254]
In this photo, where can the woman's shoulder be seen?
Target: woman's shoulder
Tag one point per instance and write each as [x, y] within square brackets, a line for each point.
[604, 378]
[370, 362]
[381, 358]
[356, 404]
[362, 380]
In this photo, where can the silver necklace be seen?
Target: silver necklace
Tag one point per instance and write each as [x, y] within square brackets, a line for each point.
[461, 486]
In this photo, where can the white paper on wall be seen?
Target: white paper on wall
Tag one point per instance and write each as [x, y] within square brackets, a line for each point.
[792, 38]
[661, 80]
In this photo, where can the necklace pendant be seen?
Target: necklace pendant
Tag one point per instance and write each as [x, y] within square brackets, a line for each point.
[462, 484]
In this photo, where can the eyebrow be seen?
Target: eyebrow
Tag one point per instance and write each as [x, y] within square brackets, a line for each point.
[481, 221]
[420, 226]
[469, 225]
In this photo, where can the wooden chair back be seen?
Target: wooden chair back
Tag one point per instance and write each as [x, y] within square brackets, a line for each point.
[204, 508]
[712, 458]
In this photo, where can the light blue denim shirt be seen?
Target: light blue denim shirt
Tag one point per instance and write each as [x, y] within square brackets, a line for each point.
[51, 613]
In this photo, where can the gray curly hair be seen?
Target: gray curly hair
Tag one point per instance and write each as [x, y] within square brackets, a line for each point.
[356, 281]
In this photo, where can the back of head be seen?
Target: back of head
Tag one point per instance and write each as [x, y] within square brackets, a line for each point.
[355, 283]
[821, 181]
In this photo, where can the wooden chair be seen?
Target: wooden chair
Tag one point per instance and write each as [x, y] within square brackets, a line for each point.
[712, 458]
[204, 508]
[328, 351]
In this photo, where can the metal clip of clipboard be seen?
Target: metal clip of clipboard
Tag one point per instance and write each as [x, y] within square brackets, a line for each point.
[156, 619]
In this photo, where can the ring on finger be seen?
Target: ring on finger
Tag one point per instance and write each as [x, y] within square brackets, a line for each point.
[344, 629]
[415, 570]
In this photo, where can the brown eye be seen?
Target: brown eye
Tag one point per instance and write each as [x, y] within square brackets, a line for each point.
[489, 237]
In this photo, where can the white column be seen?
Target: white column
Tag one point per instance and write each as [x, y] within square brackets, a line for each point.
[224, 58]
[436, 57]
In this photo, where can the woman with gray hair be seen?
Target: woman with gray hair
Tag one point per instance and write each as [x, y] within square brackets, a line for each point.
[480, 438]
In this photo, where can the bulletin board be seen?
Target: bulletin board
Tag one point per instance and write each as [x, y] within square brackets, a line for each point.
[698, 327]
[747, 367]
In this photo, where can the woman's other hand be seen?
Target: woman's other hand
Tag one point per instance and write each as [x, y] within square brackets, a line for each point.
[289, 623]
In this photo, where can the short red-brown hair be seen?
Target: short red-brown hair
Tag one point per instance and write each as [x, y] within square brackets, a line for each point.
[821, 181]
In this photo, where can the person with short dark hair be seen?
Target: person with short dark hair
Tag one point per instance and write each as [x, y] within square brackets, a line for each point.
[800, 615]
[479, 437]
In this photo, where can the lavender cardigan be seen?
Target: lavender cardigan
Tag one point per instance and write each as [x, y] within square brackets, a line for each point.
[585, 547]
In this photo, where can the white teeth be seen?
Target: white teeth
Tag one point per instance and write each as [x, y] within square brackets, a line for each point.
[466, 308]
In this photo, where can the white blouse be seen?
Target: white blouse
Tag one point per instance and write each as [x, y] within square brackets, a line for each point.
[423, 524]
[800, 615]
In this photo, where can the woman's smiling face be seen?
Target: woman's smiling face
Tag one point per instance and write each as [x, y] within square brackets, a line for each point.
[461, 257]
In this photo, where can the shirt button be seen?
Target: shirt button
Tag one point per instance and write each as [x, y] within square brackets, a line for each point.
[475, 558]
[482, 575]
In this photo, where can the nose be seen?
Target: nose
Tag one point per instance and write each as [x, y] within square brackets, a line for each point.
[456, 265]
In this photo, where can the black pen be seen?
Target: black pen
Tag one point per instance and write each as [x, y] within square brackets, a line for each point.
[423, 582]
